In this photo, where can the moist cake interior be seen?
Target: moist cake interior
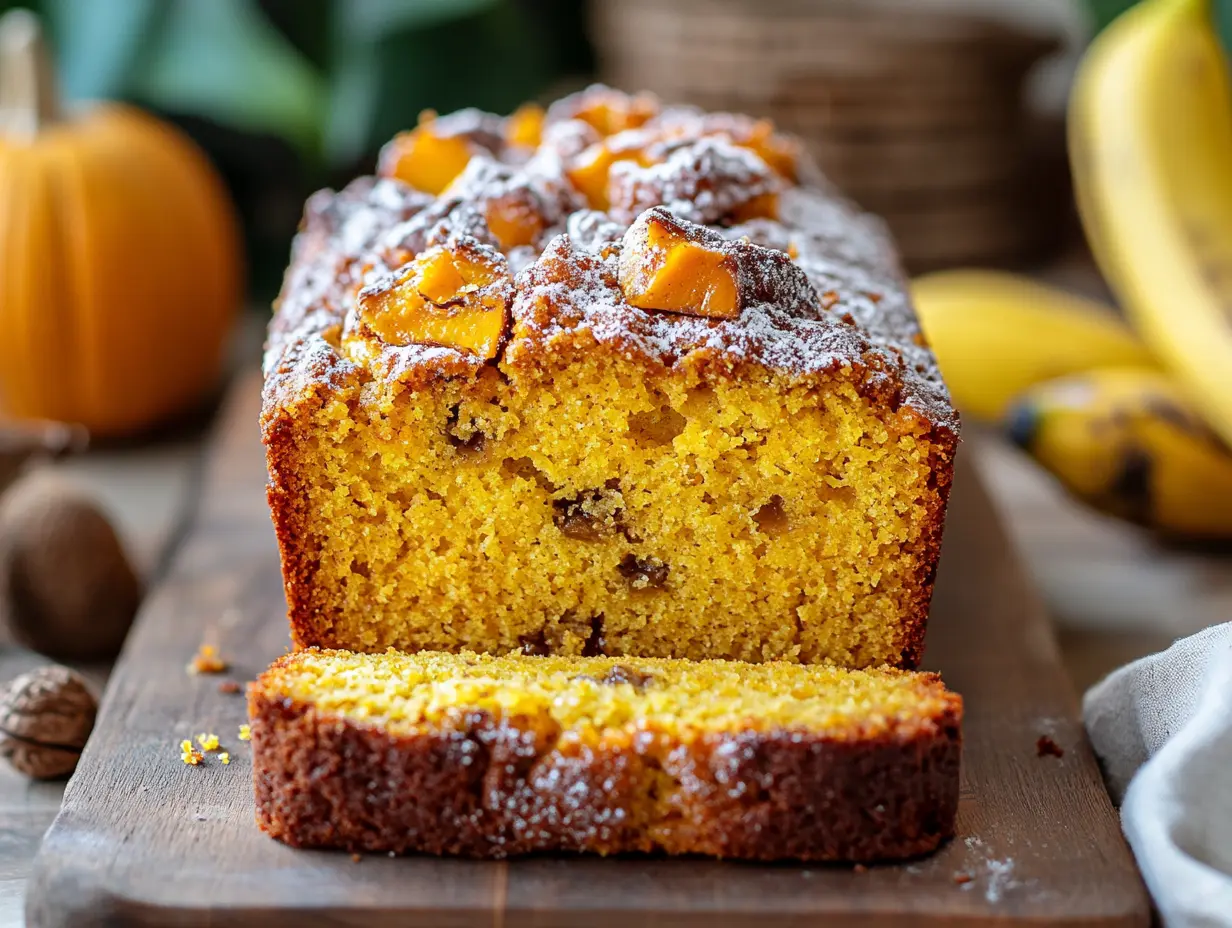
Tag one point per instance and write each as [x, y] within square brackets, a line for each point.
[404, 693]
[590, 510]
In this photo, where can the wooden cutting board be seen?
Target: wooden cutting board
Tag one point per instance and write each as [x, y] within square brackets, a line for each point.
[144, 839]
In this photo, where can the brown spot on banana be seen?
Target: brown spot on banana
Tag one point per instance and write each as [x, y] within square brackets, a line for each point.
[1129, 495]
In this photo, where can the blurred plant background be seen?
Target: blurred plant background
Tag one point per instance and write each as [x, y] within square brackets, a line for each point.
[290, 95]
[1105, 11]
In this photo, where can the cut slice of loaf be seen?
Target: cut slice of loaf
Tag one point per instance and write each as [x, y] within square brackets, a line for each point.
[493, 756]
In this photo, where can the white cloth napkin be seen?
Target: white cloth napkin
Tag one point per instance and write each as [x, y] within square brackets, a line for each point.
[1162, 726]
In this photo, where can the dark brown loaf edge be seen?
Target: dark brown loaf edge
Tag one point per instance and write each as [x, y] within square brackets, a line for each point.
[492, 789]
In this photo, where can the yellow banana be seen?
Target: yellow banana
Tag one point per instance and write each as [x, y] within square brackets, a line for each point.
[996, 334]
[1151, 148]
[1130, 443]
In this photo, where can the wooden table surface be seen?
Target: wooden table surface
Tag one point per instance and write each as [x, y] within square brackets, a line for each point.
[1114, 593]
[1039, 839]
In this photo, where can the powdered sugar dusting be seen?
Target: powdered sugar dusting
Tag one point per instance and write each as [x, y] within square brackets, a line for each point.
[701, 181]
[993, 875]
[840, 303]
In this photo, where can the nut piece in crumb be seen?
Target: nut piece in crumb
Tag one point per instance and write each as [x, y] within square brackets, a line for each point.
[426, 159]
[45, 718]
[678, 267]
[189, 754]
[207, 660]
[229, 687]
[643, 573]
[455, 295]
[208, 742]
[245, 733]
[623, 673]
[1046, 747]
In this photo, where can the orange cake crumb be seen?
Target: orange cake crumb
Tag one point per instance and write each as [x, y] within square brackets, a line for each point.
[207, 660]
[208, 742]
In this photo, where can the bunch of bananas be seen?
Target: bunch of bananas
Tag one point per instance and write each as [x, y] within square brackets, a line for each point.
[1136, 421]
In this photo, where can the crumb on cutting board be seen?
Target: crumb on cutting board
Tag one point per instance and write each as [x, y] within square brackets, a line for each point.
[208, 742]
[1046, 747]
[207, 660]
[189, 754]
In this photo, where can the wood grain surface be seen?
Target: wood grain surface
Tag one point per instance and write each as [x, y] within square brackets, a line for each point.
[144, 839]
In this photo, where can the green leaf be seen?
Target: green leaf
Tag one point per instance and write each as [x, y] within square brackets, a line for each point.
[494, 60]
[1104, 12]
[97, 42]
[1223, 21]
[354, 89]
[221, 59]
[372, 19]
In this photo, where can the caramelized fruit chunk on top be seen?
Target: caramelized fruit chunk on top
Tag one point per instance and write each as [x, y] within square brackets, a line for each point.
[510, 209]
[589, 172]
[609, 111]
[781, 152]
[455, 295]
[424, 158]
[524, 127]
[514, 219]
[670, 265]
[762, 206]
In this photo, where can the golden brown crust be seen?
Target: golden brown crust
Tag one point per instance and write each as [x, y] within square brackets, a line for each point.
[944, 445]
[497, 788]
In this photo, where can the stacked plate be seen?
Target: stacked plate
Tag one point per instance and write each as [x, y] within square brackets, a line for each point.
[918, 114]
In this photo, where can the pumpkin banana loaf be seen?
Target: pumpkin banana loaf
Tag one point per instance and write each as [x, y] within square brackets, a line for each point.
[614, 379]
[494, 756]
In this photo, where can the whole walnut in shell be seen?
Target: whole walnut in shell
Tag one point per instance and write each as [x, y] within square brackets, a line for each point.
[45, 718]
[67, 589]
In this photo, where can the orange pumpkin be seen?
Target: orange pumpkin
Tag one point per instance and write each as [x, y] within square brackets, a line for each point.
[119, 256]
